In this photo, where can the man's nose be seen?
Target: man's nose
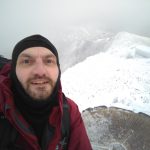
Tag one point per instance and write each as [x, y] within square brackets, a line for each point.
[39, 69]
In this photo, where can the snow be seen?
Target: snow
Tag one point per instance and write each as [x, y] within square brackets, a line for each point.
[118, 77]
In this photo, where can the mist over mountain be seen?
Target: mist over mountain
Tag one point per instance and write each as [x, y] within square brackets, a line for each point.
[79, 43]
[51, 18]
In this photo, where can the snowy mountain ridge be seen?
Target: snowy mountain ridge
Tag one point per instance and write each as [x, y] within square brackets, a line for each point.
[129, 45]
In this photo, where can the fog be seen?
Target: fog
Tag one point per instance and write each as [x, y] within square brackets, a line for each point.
[51, 18]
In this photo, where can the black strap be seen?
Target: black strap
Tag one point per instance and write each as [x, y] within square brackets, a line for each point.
[3, 61]
[65, 124]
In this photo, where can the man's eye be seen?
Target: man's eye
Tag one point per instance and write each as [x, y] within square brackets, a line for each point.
[49, 61]
[26, 61]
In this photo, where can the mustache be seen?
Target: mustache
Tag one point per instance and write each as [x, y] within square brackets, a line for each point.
[44, 78]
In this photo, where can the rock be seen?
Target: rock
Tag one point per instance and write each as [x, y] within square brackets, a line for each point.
[112, 128]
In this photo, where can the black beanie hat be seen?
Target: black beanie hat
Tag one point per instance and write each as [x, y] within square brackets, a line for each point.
[32, 41]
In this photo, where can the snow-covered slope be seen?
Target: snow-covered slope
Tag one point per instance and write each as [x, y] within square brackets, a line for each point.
[111, 79]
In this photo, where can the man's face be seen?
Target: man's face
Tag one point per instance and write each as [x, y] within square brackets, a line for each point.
[37, 71]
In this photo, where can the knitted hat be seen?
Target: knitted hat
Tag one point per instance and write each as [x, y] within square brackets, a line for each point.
[32, 41]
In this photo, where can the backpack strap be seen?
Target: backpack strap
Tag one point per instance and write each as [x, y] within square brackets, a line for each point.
[3, 61]
[65, 124]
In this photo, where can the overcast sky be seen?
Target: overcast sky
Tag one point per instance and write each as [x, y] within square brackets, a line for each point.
[20, 18]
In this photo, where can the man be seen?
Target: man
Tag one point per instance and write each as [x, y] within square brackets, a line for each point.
[31, 101]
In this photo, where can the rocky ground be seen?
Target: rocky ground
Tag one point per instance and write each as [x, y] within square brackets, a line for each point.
[111, 128]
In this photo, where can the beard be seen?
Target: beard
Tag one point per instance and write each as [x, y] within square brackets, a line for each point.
[39, 88]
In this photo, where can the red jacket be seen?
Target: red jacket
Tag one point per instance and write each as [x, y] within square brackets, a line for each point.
[11, 121]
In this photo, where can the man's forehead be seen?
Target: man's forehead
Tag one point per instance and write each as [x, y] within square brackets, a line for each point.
[36, 51]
